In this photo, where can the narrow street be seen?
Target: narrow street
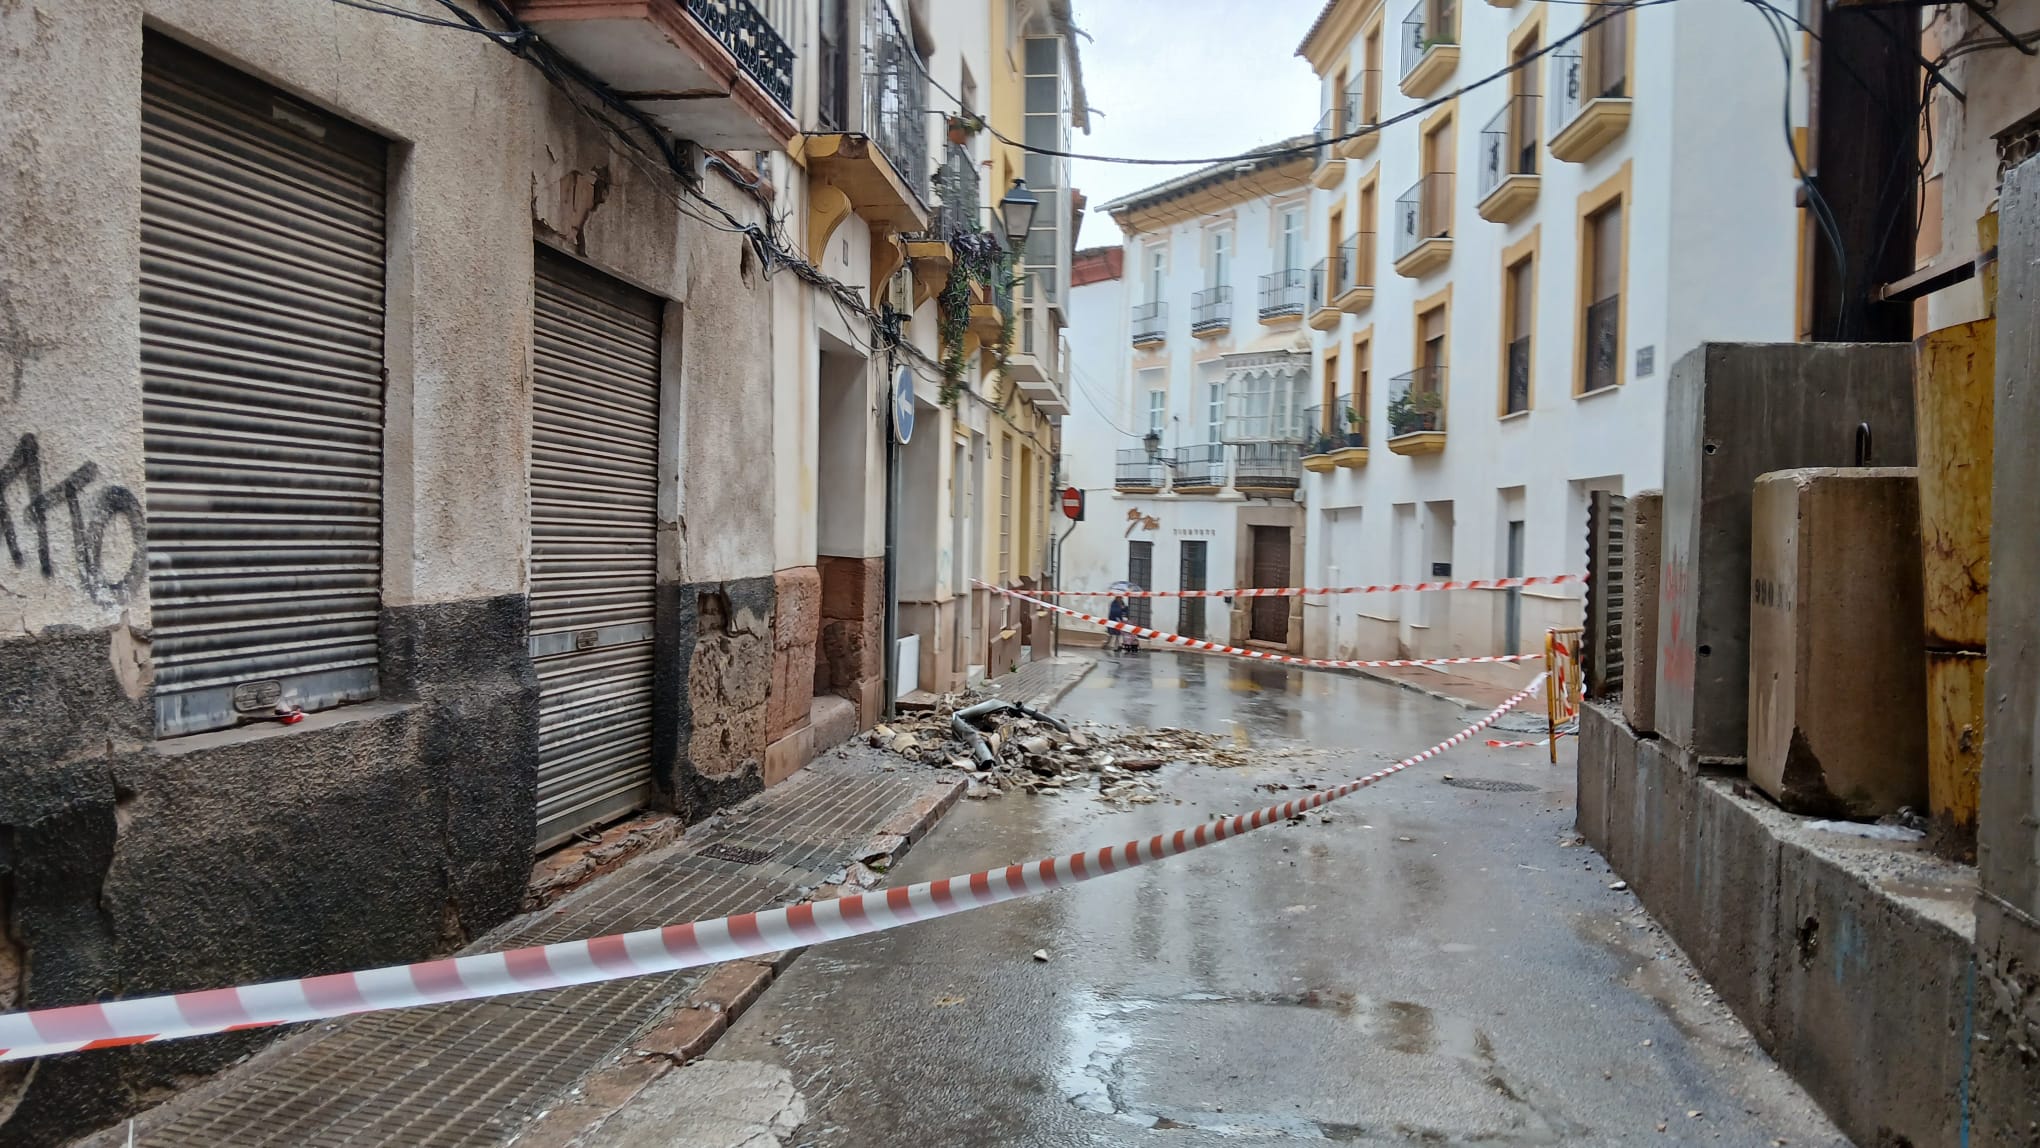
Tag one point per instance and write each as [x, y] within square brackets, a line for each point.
[1428, 963]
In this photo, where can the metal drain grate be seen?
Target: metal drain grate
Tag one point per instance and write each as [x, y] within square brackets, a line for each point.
[723, 851]
[1488, 785]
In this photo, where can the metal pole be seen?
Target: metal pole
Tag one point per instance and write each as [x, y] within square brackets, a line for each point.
[892, 539]
[1551, 687]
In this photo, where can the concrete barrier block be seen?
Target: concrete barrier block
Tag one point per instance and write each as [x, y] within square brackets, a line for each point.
[1600, 732]
[1860, 970]
[1837, 690]
[1640, 610]
[1735, 411]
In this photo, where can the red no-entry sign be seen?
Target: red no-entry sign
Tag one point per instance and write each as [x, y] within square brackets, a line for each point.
[1073, 504]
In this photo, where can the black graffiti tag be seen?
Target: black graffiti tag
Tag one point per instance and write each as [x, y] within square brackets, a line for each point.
[88, 525]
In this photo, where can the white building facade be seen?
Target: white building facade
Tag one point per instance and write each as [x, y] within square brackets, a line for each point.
[1502, 280]
[1193, 372]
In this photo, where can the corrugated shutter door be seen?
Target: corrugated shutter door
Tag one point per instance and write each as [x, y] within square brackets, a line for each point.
[594, 560]
[262, 384]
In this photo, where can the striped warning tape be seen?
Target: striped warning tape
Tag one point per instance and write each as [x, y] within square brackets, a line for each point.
[1145, 632]
[1314, 591]
[110, 1024]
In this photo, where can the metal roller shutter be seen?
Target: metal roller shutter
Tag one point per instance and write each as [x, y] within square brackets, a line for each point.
[262, 385]
[594, 561]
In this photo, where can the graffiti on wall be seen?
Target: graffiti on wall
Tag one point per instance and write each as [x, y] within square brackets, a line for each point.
[90, 515]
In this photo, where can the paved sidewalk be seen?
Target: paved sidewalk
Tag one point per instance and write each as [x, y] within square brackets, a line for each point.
[1043, 683]
[542, 1068]
[1448, 686]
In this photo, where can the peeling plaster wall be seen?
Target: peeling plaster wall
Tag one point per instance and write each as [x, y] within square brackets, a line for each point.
[378, 832]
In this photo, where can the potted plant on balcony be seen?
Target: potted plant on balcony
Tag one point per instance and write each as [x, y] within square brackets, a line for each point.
[963, 127]
[1356, 431]
[1414, 411]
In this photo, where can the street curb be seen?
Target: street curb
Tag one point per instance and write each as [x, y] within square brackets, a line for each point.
[1413, 687]
[699, 1020]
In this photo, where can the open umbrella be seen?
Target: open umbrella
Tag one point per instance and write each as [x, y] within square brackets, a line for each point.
[1122, 587]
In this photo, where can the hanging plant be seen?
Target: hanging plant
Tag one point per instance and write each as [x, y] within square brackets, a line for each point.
[980, 260]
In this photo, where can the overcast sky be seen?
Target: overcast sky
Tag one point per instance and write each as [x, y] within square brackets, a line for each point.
[1186, 78]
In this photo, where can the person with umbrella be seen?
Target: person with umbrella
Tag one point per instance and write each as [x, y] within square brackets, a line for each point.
[1121, 611]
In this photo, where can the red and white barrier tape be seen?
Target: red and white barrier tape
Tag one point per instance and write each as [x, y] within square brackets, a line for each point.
[1314, 591]
[1258, 655]
[109, 1024]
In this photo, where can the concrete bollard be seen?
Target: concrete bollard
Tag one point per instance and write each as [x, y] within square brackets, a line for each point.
[1837, 677]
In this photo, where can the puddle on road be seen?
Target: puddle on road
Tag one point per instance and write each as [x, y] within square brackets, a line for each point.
[1119, 1051]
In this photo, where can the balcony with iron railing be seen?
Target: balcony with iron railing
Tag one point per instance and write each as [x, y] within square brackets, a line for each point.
[954, 216]
[1329, 168]
[1416, 411]
[1149, 324]
[735, 66]
[1199, 469]
[1356, 273]
[876, 167]
[1211, 311]
[1361, 110]
[1346, 425]
[1283, 294]
[1516, 395]
[1430, 46]
[1268, 468]
[1135, 473]
[1508, 161]
[1317, 452]
[1423, 226]
[1603, 368]
[1323, 313]
[1590, 98]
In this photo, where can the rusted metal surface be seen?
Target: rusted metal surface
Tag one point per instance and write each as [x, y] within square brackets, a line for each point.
[1957, 369]
[1955, 696]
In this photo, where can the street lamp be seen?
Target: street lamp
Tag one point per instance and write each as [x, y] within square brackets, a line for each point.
[1017, 212]
[1152, 440]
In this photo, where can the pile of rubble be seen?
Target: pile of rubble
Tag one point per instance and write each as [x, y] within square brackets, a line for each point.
[1008, 747]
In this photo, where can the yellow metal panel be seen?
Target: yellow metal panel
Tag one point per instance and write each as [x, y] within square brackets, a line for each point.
[1953, 424]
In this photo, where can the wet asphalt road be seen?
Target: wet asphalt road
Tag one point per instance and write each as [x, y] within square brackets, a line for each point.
[1432, 965]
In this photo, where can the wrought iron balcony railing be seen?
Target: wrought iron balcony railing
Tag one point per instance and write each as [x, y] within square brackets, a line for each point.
[1508, 144]
[1321, 287]
[1356, 262]
[1425, 27]
[895, 97]
[1416, 402]
[1202, 465]
[955, 184]
[1134, 470]
[1283, 292]
[1363, 101]
[1595, 68]
[1211, 309]
[1150, 323]
[1604, 335]
[750, 37]
[1267, 466]
[1347, 423]
[1326, 134]
[1319, 438]
[1423, 212]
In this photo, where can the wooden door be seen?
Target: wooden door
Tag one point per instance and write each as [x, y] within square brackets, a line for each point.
[1270, 622]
